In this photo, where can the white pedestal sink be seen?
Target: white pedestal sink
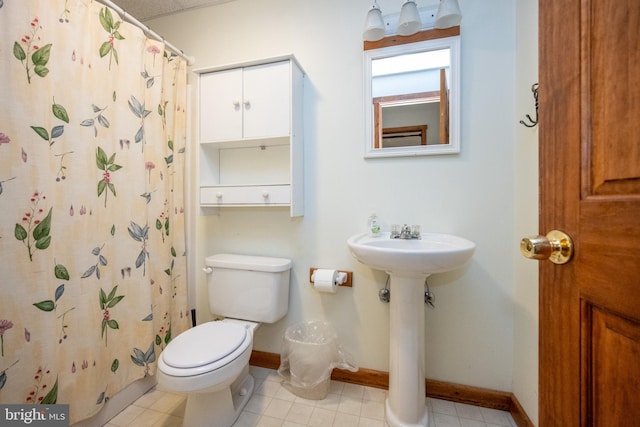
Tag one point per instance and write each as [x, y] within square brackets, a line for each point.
[409, 263]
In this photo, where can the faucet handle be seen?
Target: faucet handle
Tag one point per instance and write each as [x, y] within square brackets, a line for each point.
[416, 231]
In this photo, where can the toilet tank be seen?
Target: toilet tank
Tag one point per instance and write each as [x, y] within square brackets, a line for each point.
[247, 287]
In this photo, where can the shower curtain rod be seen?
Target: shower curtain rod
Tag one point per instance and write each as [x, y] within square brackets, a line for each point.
[148, 31]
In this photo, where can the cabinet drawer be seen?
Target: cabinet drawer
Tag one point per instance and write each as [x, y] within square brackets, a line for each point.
[258, 195]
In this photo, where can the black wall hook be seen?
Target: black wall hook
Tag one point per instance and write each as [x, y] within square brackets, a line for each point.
[532, 122]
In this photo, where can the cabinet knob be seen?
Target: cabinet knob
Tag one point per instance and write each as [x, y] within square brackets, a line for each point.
[218, 195]
[236, 104]
[265, 194]
[246, 103]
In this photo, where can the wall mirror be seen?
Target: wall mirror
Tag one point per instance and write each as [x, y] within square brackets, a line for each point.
[412, 96]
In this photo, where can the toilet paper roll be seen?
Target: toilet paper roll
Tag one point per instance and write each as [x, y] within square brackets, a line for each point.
[325, 281]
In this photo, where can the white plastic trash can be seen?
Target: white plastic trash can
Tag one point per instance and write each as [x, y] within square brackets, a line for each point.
[310, 351]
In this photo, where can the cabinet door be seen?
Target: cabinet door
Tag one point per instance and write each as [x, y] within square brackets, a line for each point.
[266, 100]
[221, 106]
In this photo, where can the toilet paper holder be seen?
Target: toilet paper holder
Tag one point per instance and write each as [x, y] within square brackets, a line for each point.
[348, 282]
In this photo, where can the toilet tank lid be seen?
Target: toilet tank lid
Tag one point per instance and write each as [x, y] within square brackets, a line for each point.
[248, 262]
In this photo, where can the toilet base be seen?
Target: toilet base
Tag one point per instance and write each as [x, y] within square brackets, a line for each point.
[220, 408]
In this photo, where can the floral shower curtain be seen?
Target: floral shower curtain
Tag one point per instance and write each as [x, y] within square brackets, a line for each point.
[92, 243]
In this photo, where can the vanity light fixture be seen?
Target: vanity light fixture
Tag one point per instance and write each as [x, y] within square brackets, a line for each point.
[410, 19]
[374, 27]
[409, 22]
[448, 15]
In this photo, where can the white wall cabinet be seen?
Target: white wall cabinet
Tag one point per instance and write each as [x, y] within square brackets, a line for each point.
[251, 135]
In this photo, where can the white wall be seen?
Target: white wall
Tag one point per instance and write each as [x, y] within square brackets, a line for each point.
[525, 365]
[470, 334]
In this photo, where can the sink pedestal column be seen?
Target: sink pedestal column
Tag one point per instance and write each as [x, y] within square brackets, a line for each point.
[406, 402]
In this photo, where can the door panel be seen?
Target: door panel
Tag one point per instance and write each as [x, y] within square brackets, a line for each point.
[611, 65]
[220, 106]
[267, 93]
[612, 372]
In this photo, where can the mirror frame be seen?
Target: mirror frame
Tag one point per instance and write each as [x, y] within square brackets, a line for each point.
[421, 42]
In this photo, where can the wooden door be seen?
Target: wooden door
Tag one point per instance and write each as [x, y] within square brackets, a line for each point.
[590, 188]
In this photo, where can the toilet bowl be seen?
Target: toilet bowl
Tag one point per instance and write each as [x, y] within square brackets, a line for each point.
[215, 376]
[210, 362]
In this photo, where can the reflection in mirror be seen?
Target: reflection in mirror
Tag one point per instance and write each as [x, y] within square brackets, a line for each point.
[411, 119]
[411, 98]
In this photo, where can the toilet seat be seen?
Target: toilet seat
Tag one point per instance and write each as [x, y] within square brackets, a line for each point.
[205, 348]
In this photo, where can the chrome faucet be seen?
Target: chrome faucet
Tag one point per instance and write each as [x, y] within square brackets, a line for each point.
[405, 232]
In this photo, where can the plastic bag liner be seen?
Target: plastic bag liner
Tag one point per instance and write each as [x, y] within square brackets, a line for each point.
[310, 351]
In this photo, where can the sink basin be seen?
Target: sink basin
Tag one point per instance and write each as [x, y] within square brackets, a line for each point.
[433, 253]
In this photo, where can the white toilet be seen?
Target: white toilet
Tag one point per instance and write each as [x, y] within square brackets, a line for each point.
[211, 361]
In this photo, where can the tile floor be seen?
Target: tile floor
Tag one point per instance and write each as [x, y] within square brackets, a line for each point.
[346, 405]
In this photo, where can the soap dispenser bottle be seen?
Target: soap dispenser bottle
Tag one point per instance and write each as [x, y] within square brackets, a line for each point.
[373, 225]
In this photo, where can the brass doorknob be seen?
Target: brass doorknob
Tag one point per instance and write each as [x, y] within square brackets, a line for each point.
[555, 246]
